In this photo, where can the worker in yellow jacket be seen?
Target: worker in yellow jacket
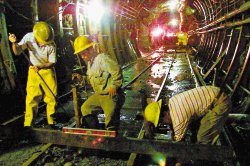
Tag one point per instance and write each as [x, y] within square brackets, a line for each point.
[105, 77]
[41, 75]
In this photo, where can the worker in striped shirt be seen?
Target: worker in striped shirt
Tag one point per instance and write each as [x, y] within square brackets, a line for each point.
[204, 102]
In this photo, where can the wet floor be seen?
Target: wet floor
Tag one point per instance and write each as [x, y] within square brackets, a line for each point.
[143, 91]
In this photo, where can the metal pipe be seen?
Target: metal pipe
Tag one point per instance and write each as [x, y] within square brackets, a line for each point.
[227, 25]
[222, 43]
[192, 71]
[245, 90]
[239, 117]
[234, 55]
[228, 46]
[135, 78]
[217, 61]
[129, 7]
[242, 8]
[213, 45]
[242, 70]
[204, 11]
[128, 11]
[34, 5]
[165, 79]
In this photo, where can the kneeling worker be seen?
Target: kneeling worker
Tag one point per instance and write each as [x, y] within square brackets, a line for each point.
[105, 77]
[205, 102]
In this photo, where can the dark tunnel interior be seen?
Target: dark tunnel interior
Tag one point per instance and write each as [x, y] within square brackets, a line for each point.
[214, 34]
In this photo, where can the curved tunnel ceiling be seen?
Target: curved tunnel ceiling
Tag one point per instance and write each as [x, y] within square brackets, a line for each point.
[194, 16]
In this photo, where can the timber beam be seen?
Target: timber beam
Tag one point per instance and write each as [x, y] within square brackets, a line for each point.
[134, 145]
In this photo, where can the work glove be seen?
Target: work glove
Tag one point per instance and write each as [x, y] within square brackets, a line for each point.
[12, 38]
[112, 91]
[78, 79]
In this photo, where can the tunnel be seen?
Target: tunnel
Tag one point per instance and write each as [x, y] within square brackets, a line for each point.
[163, 47]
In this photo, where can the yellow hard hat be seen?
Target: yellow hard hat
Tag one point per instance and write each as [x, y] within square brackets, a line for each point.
[43, 32]
[152, 112]
[81, 43]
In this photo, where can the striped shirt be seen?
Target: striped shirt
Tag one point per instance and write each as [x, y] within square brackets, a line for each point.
[189, 105]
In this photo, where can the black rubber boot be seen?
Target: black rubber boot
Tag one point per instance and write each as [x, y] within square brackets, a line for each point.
[90, 121]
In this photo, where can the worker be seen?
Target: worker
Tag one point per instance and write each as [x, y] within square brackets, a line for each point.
[105, 77]
[208, 103]
[41, 81]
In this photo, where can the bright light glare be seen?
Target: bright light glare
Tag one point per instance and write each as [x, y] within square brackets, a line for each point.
[157, 71]
[172, 5]
[157, 31]
[95, 10]
[160, 159]
[173, 22]
[162, 162]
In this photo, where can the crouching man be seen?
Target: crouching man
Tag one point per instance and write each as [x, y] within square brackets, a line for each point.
[207, 103]
[105, 77]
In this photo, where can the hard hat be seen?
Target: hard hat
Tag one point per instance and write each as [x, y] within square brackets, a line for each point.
[152, 112]
[81, 43]
[43, 32]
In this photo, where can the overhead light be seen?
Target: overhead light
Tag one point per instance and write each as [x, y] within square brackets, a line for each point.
[173, 22]
[94, 10]
[172, 5]
[157, 31]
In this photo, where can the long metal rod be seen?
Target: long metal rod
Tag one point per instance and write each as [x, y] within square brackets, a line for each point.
[128, 7]
[128, 145]
[220, 44]
[141, 133]
[132, 81]
[227, 25]
[231, 36]
[242, 70]
[217, 61]
[242, 8]
[165, 79]
[26, 57]
[234, 55]
[239, 117]
[192, 71]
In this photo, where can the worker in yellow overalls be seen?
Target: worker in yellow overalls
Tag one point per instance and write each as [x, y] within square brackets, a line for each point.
[41, 75]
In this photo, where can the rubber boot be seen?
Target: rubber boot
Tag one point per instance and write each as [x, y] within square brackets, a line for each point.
[90, 121]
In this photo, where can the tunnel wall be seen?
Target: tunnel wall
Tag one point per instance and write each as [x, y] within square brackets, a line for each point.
[223, 52]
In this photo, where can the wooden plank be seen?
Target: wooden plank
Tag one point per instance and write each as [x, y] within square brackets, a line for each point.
[35, 156]
[76, 107]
